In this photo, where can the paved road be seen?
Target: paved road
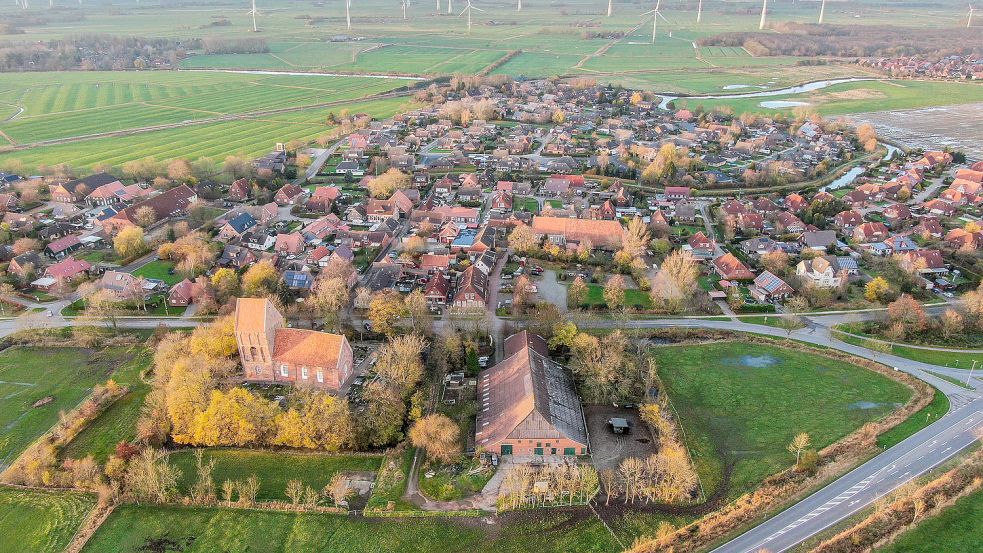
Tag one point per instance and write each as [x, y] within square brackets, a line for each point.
[317, 163]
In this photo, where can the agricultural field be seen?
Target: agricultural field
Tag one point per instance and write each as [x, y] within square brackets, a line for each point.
[274, 469]
[741, 404]
[39, 383]
[957, 528]
[65, 105]
[133, 528]
[40, 521]
[246, 137]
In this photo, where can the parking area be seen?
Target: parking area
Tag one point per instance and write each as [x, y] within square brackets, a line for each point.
[552, 291]
[609, 449]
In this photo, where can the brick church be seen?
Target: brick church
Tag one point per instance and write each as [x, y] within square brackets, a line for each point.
[271, 352]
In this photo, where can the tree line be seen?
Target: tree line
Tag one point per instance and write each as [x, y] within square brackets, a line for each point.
[799, 39]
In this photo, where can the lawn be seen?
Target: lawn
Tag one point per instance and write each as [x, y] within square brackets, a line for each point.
[30, 375]
[274, 469]
[633, 297]
[957, 528]
[742, 404]
[959, 360]
[131, 528]
[118, 422]
[766, 320]
[160, 270]
[40, 521]
[156, 306]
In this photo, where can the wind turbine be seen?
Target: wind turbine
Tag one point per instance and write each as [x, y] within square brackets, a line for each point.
[610, 6]
[699, 12]
[655, 18]
[403, 4]
[468, 9]
[254, 12]
[348, 13]
[764, 12]
[519, 9]
[822, 12]
[969, 19]
[450, 7]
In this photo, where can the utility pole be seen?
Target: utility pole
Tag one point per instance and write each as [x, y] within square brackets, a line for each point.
[971, 372]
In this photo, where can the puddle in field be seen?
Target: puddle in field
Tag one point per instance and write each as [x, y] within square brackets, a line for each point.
[777, 104]
[865, 405]
[752, 361]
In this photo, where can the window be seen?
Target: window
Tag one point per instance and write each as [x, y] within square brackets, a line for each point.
[283, 370]
[320, 376]
[303, 373]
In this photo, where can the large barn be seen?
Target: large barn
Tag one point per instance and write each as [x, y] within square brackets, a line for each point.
[528, 404]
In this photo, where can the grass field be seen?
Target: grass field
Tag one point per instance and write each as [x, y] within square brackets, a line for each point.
[66, 375]
[957, 528]
[160, 270]
[914, 423]
[131, 528]
[40, 521]
[274, 469]
[959, 360]
[118, 422]
[633, 297]
[859, 97]
[742, 404]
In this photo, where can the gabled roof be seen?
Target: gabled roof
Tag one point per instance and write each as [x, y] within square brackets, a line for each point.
[527, 383]
[242, 222]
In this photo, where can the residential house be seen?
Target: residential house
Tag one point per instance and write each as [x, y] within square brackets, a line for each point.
[824, 271]
[819, 240]
[78, 189]
[234, 228]
[731, 268]
[768, 288]
[239, 191]
[870, 232]
[289, 194]
[437, 289]
[25, 265]
[172, 203]
[122, 286]
[289, 244]
[472, 288]
[323, 199]
[62, 247]
[700, 246]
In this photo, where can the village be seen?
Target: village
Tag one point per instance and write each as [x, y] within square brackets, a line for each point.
[468, 245]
